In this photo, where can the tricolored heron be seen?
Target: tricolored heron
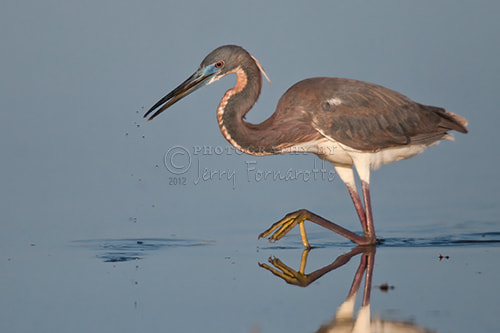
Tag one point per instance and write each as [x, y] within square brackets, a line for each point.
[344, 121]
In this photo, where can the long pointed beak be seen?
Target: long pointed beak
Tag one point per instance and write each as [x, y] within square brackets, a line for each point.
[195, 81]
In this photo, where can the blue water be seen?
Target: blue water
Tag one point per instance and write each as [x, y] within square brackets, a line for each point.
[442, 283]
[102, 230]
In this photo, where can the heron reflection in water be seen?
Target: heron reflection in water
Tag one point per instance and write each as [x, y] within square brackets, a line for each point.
[344, 320]
[364, 125]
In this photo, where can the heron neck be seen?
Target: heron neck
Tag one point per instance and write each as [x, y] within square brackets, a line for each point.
[246, 137]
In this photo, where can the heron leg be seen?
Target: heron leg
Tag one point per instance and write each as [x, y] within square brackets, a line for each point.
[359, 207]
[362, 164]
[370, 228]
[346, 174]
[283, 226]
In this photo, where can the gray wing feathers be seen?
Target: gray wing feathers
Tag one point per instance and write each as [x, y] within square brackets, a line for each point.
[370, 117]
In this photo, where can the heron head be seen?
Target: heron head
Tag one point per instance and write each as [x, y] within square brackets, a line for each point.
[220, 62]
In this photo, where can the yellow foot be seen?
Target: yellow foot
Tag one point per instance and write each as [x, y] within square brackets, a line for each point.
[287, 273]
[283, 226]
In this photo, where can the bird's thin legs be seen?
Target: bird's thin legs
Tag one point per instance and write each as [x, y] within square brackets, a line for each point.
[370, 228]
[283, 226]
[346, 174]
[359, 207]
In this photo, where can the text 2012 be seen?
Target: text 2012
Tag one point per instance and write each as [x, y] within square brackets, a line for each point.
[177, 181]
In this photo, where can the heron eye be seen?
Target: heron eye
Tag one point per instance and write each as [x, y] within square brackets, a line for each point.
[219, 64]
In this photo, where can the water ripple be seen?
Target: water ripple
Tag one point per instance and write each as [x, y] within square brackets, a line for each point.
[324, 240]
[470, 239]
[121, 250]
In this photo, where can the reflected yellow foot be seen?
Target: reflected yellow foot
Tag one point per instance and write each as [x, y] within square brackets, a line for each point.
[287, 273]
[283, 226]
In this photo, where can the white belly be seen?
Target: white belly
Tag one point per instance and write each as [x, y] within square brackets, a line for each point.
[340, 154]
